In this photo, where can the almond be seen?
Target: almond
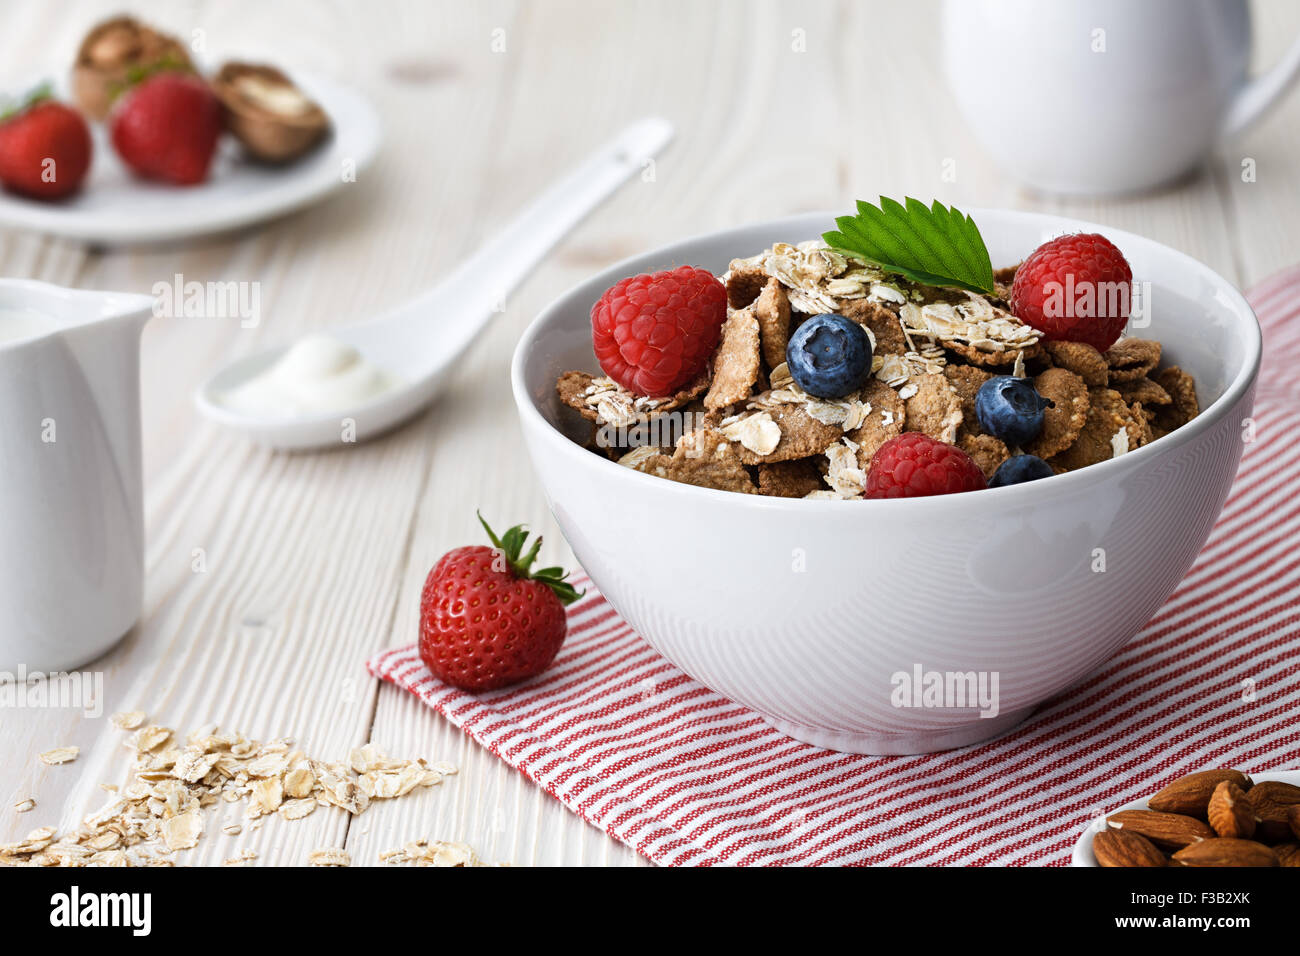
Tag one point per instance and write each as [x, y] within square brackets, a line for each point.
[1172, 830]
[1271, 800]
[1225, 852]
[1190, 795]
[1288, 854]
[1125, 848]
[1271, 831]
[1230, 813]
[1272, 797]
[1293, 818]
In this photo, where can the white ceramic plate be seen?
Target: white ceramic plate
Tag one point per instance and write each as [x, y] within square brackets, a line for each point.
[1082, 855]
[115, 207]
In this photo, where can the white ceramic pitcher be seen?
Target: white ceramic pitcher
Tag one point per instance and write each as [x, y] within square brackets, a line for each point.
[1105, 96]
[71, 495]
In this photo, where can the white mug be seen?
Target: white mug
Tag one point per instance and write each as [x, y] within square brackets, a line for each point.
[1105, 96]
[71, 493]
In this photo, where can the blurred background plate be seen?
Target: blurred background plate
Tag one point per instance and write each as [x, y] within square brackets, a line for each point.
[115, 207]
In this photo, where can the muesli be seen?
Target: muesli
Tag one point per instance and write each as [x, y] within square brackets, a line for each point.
[860, 365]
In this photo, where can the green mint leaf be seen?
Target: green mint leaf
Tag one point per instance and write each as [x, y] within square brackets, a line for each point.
[934, 245]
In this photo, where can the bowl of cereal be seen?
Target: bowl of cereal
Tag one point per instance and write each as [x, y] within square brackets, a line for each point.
[731, 521]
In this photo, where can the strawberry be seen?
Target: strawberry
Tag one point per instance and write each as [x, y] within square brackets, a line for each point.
[167, 127]
[486, 619]
[45, 149]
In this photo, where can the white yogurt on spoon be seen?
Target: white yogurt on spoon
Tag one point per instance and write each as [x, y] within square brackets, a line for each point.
[318, 375]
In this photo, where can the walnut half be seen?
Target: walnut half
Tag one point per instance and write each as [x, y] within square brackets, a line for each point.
[273, 119]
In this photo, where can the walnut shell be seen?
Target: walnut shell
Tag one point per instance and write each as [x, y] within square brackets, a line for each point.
[273, 119]
[115, 52]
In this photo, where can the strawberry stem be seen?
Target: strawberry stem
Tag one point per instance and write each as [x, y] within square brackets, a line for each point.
[511, 544]
[137, 74]
[38, 94]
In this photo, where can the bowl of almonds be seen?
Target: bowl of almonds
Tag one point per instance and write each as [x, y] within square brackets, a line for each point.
[1212, 818]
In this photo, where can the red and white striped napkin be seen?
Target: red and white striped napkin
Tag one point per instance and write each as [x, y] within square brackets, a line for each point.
[685, 776]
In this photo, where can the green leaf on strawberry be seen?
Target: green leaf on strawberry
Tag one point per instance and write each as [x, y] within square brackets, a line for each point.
[511, 545]
[38, 94]
[934, 245]
[139, 72]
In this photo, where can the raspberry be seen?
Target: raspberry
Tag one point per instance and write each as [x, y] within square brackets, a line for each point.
[653, 334]
[914, 465]
[1075, 288]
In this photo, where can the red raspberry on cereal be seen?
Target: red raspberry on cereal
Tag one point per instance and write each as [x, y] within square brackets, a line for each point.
[1075, 288]
[655, 333]
[914, 465]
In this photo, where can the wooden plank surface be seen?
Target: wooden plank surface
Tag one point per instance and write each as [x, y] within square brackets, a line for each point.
[313, 562]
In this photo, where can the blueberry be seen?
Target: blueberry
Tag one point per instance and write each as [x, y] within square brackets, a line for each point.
[1009, 409]
[1019, 469]
[829, 356]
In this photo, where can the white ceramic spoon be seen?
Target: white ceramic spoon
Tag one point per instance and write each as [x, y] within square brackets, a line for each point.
[421, 340]
[1082, 855]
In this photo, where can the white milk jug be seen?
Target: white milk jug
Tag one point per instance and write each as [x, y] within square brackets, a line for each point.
[1105, 96]
[71, 495]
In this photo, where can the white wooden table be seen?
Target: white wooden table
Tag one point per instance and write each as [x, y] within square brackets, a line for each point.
[315, 561]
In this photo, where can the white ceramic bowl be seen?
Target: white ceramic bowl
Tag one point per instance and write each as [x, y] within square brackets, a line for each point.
[806, 610]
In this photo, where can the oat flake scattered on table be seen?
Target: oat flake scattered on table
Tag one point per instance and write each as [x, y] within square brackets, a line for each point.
[129, 720]
[433, 853]
[60, 755]
[173, 784]
[330, 856]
